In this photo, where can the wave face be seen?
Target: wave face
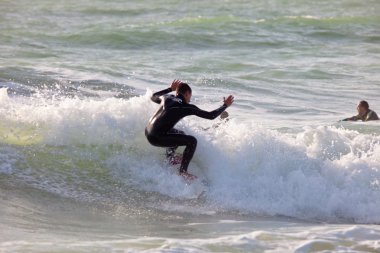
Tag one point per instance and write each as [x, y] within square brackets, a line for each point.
[94, 150]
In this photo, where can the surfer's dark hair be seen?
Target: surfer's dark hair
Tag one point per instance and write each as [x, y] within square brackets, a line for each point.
[364, 104]
[183, 88]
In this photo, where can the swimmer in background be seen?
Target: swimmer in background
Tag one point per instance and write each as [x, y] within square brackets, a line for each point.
[364, 113]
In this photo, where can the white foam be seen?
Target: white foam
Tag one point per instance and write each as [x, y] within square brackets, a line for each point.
[324, 173]
[318, 239]
[271, 173]
[4, 95]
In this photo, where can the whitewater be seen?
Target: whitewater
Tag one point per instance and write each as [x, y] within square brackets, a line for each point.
[283, 174]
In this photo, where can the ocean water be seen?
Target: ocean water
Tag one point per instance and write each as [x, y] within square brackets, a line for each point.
[282, 175]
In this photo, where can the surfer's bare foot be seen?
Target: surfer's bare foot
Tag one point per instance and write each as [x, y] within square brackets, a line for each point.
[187, 176]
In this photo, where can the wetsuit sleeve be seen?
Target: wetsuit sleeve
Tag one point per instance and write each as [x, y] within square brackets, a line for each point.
[353, 118]
[156, 96]
[193, 110]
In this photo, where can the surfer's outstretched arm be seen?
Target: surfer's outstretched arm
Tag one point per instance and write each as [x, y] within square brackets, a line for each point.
[213, 114]
[156, 96]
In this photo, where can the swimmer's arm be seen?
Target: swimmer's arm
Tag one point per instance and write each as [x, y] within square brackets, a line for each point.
[353, 118]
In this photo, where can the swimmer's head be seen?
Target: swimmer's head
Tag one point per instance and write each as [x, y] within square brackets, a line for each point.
[185, 90]
[363, 107]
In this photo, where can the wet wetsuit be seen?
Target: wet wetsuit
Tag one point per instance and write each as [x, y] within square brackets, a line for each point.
[160, 129]
[370, 115]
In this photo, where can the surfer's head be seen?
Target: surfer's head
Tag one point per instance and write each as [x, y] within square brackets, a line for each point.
[363, 107]
[185, 90]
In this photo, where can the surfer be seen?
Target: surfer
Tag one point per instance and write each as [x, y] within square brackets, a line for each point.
[160, 130]
[364, 113]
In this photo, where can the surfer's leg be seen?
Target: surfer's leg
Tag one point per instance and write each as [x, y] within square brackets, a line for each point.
[175, 140]
[170, 152]
[183, 140]
[188, 153]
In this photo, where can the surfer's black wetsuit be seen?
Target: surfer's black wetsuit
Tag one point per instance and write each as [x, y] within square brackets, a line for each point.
[160, 129]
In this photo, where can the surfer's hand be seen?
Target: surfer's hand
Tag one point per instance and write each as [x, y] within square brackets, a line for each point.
[175, 84]
[229, 100]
